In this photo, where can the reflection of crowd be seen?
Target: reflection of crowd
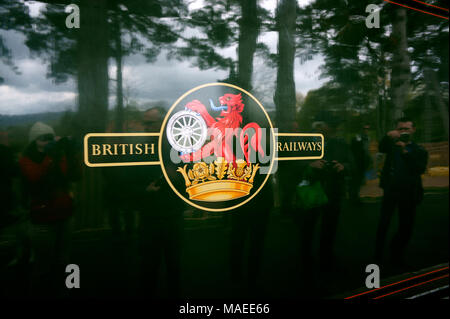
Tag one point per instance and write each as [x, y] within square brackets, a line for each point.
[50, 164]
[326, 179]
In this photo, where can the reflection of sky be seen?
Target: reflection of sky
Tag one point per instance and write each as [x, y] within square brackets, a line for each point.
[31, 92]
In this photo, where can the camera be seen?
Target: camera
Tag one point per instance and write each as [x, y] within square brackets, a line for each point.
[65, 145]
[328, 167]
[404, 137]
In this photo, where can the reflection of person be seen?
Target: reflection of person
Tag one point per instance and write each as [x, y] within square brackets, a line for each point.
[330, 171]
[284, 175]
[10, 205]
[8, 170]
[402, 185]
[160, 228]
[120, 201]
[249, 223]
[48, 165]
[362, 161]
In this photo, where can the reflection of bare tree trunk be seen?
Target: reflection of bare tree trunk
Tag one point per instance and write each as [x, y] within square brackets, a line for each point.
[379, 113]
[380, 105]
[248, 34]
[381, 89]
[119, 88]
[93, 66]
[93, 100]
[427, 118]
[400, 66]
[386, 103]
[285, 90]
[434, 91]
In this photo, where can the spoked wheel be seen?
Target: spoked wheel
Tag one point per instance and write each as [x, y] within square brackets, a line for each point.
[186, 131]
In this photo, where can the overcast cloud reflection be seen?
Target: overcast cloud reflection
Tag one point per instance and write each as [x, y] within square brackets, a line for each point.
[29, 90]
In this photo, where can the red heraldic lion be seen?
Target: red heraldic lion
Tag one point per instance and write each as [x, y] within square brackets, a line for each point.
[224, 128]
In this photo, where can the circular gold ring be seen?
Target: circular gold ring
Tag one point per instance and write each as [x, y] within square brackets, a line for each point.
[163, 126]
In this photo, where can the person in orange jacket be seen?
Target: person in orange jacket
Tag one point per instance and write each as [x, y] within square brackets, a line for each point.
[48, 167]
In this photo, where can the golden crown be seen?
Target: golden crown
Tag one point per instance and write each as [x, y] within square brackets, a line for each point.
[219, 181]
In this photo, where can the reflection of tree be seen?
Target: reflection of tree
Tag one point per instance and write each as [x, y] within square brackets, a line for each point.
[107, 29]
[285, 90]
[353, 62]
[14, 15]
[263, 83]
[329, 98]
[372, 67]
[92, 65]
[132, 33]
[209, 30]
[428, 36]
[218, 25]
[400, 76]
[249, 24]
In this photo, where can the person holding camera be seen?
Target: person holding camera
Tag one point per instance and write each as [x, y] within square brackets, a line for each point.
[48, 166]
[160, 230]
[327, 180]
[401, 182]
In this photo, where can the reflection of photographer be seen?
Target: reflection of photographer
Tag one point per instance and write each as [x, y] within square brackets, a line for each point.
[335, 165]
[328, 168]
[57, 147]
[160, 222]
[402, 185]
[48, 167]
[326, 178]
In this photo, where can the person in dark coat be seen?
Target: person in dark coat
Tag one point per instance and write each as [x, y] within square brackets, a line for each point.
[401, 181]
[249, 224]
[161, 222]
[331, 171]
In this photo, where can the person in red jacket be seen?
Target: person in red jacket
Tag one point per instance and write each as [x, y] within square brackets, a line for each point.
[48, 167]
